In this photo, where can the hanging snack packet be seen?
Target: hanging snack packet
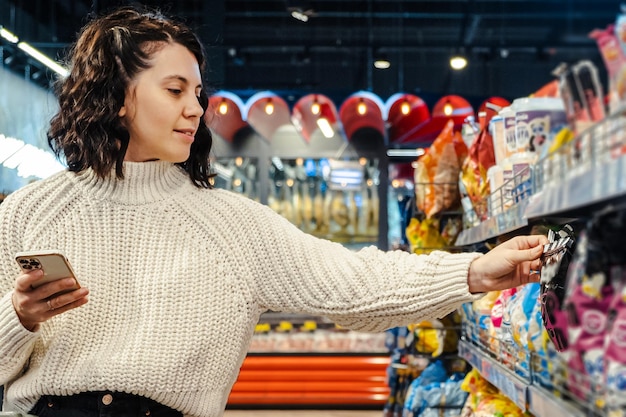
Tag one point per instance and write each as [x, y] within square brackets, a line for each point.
[555, 258]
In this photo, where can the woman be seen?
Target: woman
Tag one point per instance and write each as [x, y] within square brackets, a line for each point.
[175, 274]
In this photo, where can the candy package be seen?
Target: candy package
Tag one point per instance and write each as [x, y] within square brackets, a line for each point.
[555, 258]
[437, 173]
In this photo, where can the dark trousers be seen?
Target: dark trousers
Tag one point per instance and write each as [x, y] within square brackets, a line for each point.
[101, 404]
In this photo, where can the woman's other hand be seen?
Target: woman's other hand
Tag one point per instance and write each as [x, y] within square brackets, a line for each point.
[36, 305]
[508, 265]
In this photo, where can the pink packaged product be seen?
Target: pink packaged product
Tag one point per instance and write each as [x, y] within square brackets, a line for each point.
[588, 308]
[615, 62]
[615, 348]
[596, 337]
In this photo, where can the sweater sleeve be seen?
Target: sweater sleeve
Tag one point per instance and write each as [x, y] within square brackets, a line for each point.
[16, 342]
[368, 290]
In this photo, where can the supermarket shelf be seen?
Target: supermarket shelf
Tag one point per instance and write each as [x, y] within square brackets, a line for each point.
[510, 384]
[544, 403]
[506, 222]
[585, 175]
[601, 184]
[526, 395]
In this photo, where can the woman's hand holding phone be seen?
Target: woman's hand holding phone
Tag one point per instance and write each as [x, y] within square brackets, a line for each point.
[46, 287]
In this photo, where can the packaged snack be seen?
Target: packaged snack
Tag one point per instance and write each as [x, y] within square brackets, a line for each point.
[588, 313]
[615, 61]
[615, 351]
[497, 313]
[555, 258]
[436, 186]
[537, 121]
[522, 312]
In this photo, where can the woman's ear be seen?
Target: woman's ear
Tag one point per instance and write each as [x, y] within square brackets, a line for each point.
[122, 111]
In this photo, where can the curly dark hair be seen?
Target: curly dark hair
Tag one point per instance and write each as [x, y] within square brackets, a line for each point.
[109, 52]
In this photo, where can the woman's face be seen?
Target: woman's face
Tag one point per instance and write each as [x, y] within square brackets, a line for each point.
[161, 109]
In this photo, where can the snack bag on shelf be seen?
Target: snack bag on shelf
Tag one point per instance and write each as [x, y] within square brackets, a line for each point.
[440, 399]
[615, 61]
[485, 400]
[538, 342]
[482, 309]
[588, 306]
[437, 171]
[550, 89]
[497, 406]
[497, 313]
[424, 236]
[556, 257]
[521, 313]
[481, 157]
[436, 336]
[477, 387]
[602, 248]
[451, 230]
[435, 373]
[615, 350]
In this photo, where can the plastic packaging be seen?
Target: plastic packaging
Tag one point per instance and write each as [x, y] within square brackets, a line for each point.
[522, 164]
[537, 121]
[495, 176]
[508, 114]
[496, 126]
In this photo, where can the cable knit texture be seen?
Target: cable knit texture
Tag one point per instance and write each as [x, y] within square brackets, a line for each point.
[178, 278]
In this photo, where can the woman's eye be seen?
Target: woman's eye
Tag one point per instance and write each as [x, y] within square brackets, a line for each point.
[175, 91]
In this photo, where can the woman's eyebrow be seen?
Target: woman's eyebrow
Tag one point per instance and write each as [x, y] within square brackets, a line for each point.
[180, 78]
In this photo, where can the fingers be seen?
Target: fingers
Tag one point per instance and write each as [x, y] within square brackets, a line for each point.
[24, 282]
[67, 301]
[36, 305]
[526, 241]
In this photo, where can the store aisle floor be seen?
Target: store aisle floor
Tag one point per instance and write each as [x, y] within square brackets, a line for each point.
[303, 413]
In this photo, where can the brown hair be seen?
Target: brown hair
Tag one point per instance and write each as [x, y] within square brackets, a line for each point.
[109, 52]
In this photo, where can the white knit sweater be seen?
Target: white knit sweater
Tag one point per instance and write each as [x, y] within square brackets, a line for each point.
[178, 278]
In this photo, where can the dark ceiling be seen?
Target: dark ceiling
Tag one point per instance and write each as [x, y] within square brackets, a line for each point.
[513, 45]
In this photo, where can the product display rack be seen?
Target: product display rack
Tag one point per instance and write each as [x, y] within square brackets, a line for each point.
[584, 177]
[521, 390]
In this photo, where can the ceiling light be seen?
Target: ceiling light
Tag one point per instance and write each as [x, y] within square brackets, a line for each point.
[361, 108]
[8, 35]
[223, 107]
[458, 62]
[269, 107]
[325, 127]
[300, 10]
[382, 63]
[405, 107]
[299, 16]
[315, 107]
[62, 71]
[405, 152]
